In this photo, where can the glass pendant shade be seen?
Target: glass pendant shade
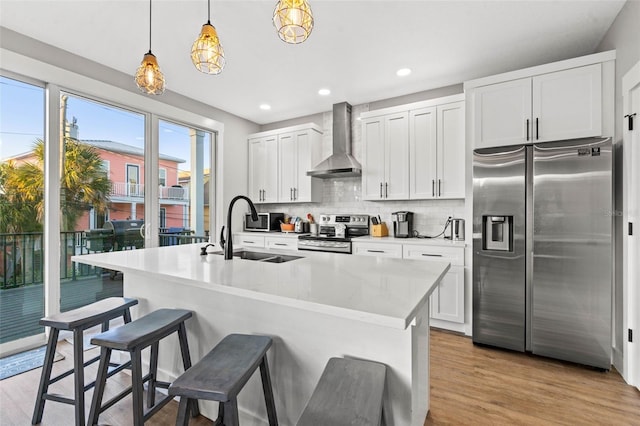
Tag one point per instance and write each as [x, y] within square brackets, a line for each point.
[207, 53]
[149, 78]
[293, 20]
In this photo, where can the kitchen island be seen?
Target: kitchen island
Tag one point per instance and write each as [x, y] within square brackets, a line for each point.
[319, 306]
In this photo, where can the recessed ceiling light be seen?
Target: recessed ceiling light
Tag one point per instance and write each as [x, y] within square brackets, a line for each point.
[265, 107]
[324, 92]
[402, 72]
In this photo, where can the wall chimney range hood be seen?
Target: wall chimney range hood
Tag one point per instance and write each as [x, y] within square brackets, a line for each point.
[341, 163]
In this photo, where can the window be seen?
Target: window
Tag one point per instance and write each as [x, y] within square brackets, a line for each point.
[21, 239]
[162, 179]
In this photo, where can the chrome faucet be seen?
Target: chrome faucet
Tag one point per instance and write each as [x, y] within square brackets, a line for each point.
[227, 243]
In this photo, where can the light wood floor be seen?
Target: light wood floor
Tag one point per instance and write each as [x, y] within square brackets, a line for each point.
[470, 385]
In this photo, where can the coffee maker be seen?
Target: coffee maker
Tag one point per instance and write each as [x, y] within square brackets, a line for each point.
[403, 224]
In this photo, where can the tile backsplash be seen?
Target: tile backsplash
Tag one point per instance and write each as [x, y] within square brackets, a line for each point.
[344, 195]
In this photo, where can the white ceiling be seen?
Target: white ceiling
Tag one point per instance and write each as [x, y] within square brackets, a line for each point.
[354, 50]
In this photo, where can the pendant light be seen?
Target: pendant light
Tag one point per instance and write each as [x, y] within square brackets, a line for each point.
[293, 20]
[149, 78]
[207, 53]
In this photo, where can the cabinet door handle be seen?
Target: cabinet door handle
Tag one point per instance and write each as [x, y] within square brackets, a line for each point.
[431, 255]
[375, 251]
[295, 194]
[433, 187]
[380, 189]
[527, 129]
[291, 194]
[537, 130]
[439, 188]
[386, 190]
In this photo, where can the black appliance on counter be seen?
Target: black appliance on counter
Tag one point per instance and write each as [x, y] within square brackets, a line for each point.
[335, 233]
[266, 222]
[403, 224]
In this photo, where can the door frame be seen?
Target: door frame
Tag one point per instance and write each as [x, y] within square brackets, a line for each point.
[631, 214]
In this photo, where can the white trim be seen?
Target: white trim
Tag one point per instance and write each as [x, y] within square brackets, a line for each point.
[631, 213]
[413, 106]
[51, 234]
[24, 344]
[542, 69]
[273, 132]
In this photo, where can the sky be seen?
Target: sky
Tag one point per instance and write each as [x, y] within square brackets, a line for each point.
[22, 123]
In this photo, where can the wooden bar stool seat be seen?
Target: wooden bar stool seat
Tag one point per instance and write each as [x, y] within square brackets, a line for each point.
[77, 321]
[221, 374]
[349, 393]
[133, 338]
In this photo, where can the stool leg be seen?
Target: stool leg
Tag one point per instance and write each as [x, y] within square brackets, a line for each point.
[45, 376]
[101, 381]
[153, 371]
[186, 363]
[137, 388]
[183, 412]
[231, 412]
[126, 316]
[220, 418]
[268, 392]
[78, 374]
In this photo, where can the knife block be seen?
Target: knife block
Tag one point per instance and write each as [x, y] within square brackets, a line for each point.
[380, 230]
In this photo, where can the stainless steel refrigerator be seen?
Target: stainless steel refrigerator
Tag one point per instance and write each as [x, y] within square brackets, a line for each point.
[542, 249]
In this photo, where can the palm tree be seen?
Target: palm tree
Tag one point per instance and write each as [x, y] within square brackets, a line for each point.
[84, 185]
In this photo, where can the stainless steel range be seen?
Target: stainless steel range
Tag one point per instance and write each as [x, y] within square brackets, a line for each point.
[335, 233]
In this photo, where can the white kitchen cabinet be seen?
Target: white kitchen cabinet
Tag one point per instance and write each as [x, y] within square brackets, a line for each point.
[263, 169]
[248, 241]
[298, 152]
[386, 157]
[558, 105]
[377, 249]
[437, 144]
[278, 164]
[281, 243]
[447, 300]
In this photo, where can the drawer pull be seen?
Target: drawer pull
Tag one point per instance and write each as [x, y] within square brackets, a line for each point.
[431, 255]
[248, 242]
[279, 244]
[376, 251]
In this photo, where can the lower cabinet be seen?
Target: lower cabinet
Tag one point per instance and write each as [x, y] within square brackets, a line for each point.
[377, 249]
[447, 300]
[246, 241]
[281, 243]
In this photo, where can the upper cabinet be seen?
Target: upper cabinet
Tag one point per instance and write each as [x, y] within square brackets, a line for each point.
[436, 151]
[278, 164]
[263, 169]
[414, 151]
[386, 157]
[565, 100]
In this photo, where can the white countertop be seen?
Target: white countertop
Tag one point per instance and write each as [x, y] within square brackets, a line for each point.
[382, 291]
[416, 241]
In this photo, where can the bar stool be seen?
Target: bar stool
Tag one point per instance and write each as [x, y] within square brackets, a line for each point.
[220, 376]
[133, 338]
[77, 321]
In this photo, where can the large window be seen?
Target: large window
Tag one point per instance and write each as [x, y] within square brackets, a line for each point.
[104, 149]
[21, 209]
[185, 156]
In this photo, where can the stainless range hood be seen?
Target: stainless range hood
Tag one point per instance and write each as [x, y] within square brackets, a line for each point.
[341, 163]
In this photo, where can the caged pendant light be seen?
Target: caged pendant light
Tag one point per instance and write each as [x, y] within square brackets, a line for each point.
[149, 78]
[207, 53]
[293, 20]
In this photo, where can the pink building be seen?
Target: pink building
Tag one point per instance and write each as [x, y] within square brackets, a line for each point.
[125, 167]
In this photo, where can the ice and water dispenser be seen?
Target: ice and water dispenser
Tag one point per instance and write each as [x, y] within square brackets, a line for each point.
[497, 233]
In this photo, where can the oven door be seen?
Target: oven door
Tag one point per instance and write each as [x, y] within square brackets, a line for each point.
[325, 245]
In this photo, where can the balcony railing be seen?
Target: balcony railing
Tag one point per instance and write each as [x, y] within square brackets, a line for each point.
[22, 262]
[136, 190]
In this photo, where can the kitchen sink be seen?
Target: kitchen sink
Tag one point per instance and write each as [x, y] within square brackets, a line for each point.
[263, 257]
